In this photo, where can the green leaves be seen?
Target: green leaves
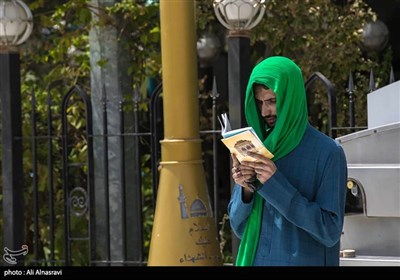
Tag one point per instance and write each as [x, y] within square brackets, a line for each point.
[324, 37]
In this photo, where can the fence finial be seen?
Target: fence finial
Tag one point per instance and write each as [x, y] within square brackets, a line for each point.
[371, 81]
[136, 94]
[350, 87]
[391, 77]
[214, 92]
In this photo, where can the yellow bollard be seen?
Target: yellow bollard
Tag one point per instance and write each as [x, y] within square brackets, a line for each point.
[184, 232]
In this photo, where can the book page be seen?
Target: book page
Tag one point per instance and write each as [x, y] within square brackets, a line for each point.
[236, 131]
[225, 124]
[239, 144]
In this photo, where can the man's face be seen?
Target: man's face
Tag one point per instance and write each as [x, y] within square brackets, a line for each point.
[266, 102]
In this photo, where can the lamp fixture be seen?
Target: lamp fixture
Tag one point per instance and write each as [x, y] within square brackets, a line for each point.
[239, 16]
[16, 23]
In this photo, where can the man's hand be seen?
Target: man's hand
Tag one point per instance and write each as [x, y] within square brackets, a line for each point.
[242, 174]
[263, 167]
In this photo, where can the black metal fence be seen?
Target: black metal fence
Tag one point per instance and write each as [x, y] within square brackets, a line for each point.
[61, 215]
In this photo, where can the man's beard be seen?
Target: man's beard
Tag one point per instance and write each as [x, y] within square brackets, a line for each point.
[270, 120]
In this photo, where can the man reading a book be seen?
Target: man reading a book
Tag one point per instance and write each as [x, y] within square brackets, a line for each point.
[288, 210]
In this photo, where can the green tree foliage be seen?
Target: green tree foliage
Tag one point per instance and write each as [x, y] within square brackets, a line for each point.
[320, 36]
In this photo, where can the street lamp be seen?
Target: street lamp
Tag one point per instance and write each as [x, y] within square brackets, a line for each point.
[375, 36]
[15, 23]
[15, 27]
[208, 49]
[239, 17]
[184, 233]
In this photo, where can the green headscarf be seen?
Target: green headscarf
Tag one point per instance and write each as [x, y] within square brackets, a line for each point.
[284, 77]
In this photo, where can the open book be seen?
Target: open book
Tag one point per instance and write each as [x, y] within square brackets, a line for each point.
[242, 140]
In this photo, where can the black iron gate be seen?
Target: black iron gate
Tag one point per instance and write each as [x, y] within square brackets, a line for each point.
[77, 179]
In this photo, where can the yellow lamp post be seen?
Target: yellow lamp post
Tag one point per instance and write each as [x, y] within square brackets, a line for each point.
[184, 232]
